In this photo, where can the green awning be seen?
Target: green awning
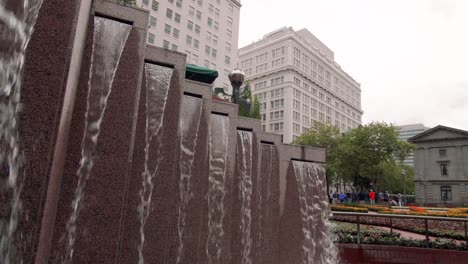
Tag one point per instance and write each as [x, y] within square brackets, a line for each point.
[200, 74]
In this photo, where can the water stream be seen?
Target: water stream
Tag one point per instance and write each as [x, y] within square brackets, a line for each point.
[218, 146]
[244, 166]
[317, 246]
[108, 42]
[16, 27]
[158, 81]
[188, 126]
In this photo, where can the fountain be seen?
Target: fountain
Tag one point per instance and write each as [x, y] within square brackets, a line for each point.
[17, 20]
[216, 190]
[156, 171]
[108, 43]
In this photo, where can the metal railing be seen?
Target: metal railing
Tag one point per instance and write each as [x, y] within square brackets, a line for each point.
[393, 216]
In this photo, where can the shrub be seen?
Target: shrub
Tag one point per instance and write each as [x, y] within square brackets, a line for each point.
[344, 208]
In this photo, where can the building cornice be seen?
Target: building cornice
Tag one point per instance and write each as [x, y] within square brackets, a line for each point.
[442, 181]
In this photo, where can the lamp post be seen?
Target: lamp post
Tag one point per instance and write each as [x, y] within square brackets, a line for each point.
[403, 178]
[236, 77]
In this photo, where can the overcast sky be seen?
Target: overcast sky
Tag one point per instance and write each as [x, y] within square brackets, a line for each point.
[410, 56]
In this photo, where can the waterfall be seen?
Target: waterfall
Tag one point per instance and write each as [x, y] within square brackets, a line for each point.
[158, 81]
[268, 157]
[244, 166]
[17, 26]
[188, 126]
[317, 245]
[108, 42]
[218, 145]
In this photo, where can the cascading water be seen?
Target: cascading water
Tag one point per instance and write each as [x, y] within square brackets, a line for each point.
[268, 156]
[244, 166]
[108, 42]
[188, 126]
[158, 81]
[317, 245]
[218, 145]
[16, 26]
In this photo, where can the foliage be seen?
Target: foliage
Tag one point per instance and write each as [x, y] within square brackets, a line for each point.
[244, 110]
[392, 179]
[324, 136]
[366, 153]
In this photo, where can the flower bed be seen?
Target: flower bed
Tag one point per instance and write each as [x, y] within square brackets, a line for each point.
[442, 229]
[457, 212]
[345, 233]
[346, 208]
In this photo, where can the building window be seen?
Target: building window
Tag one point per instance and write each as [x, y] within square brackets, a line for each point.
[175, 33]
[191, 11]
[177, 18]
[444, 169]
[198, 15]
[179, 3]
[446, 193]
[155, 5]
[188, 40]
[197, 29]
[213, 53]
[150, 38]
[169, 13]
[145, 2]
[442, 153]
[190, 25]
[174, 47]
[167, 29]
[196, 43]
[227, 60]
[152, 21]
[165, 44]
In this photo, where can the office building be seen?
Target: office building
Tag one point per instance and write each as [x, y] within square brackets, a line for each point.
[441, 166]
[407, 131]
[297, 81]
[206, 30]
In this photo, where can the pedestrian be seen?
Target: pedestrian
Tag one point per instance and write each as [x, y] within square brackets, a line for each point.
[399, 196]
[372, 197]
[330, 197]
[386, 197]
[342, 197]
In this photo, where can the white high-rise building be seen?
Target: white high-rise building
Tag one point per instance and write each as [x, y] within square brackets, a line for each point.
[408, 131]
[297, 81]
[206, 30]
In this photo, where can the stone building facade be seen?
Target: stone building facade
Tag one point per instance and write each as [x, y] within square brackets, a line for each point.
[206, 30]
[441, 166]
[298, 82]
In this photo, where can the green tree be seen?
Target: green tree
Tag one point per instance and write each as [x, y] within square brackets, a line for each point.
[392, 178]
[324, 136]
[366, 152]
[254, 110]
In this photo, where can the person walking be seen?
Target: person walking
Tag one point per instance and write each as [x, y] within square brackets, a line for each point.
[399, 196]
[342, 197]
[372, 197]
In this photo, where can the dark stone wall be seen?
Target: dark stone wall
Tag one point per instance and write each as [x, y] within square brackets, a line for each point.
[161, 225]
[45, 72]
[99, 220]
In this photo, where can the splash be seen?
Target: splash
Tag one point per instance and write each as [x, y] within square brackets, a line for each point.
[108, 42]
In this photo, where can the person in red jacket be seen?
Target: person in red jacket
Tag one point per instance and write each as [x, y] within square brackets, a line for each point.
[372, 197]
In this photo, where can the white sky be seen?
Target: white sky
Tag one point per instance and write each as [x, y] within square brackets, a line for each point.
[410, 56]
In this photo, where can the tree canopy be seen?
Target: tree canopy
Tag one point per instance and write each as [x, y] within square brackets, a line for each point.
[364, 156]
